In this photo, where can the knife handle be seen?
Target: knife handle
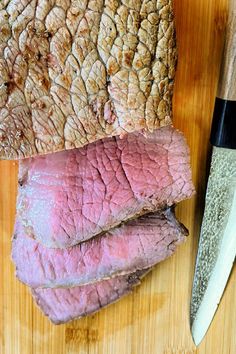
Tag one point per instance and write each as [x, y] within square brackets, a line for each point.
[223, 133]
[227, 81]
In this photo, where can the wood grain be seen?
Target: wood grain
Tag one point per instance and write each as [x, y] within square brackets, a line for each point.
[155, 318]
[227, 81]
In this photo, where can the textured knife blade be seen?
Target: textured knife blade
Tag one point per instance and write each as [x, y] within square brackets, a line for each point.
[217, 244]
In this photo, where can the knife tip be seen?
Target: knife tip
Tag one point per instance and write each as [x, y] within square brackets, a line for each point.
[197, 338]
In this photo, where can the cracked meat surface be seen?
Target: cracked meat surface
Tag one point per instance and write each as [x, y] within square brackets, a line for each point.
[63, 305]
[73, 72]
[71, 196]
[137, 245]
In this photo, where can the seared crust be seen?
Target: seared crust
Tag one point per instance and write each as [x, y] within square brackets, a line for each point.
[72, 72]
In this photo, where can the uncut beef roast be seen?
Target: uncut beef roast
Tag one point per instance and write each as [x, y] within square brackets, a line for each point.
[84, 85]
[136, 245]
[71, 196]
[72, 72]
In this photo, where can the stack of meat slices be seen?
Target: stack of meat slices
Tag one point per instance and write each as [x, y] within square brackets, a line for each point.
[91, 222]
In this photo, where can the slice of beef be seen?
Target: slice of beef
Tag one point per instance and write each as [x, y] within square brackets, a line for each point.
[136, 245]
[63, 305]
[72, 72]
[71, 196]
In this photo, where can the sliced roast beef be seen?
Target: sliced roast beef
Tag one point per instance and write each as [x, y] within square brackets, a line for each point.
[72, 72]
[136, 245]
[63, 305]
[71, 196]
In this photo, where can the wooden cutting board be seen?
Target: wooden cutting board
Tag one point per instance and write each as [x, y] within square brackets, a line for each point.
[155, 318]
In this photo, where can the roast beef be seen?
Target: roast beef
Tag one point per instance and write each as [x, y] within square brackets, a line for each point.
[72, 72]
[136, 245]
[71, 196]
[63, 305]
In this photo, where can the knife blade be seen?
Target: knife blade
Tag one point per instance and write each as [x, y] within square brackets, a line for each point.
[217, 247]
[217, 243]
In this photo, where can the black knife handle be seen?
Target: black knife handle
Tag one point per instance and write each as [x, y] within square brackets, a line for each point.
[223, 131]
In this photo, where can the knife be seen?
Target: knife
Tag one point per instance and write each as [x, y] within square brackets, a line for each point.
[217, 243]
